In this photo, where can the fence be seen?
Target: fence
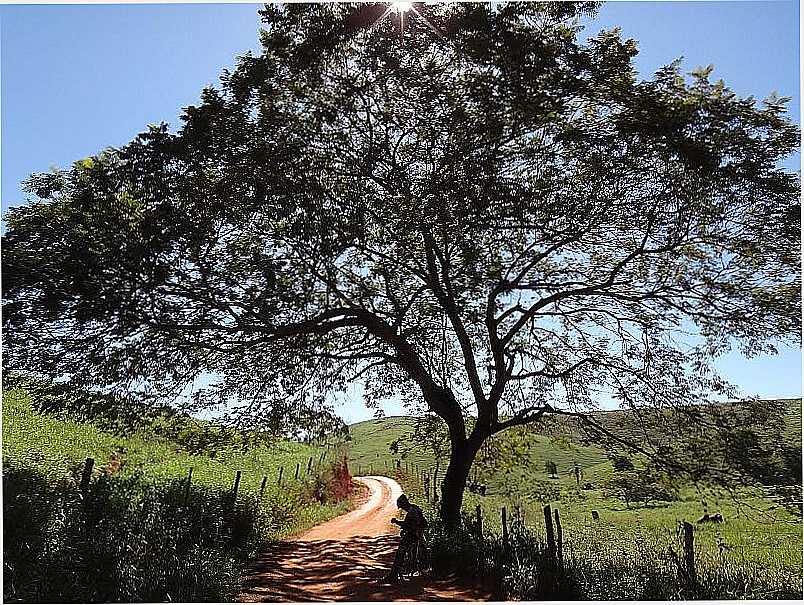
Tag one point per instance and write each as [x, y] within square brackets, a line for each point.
[313, 466]
[593, 534]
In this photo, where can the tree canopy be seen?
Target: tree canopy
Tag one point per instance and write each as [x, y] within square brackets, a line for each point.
[483, 214]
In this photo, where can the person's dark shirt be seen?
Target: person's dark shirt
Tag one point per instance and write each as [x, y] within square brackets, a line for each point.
[414, 520]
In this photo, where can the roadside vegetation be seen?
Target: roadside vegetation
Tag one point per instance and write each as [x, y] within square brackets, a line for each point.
[632, 551]
[140, 531]
[615, 560]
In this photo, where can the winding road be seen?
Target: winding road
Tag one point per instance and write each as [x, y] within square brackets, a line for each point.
[345, 558]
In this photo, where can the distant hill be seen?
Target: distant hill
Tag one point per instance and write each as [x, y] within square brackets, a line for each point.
[369, 449]
[369, 452]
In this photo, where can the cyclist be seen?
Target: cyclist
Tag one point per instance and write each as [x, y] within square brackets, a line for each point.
[413, 526]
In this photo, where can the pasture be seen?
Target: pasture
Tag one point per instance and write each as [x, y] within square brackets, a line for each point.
[140, 531]
[759, 538]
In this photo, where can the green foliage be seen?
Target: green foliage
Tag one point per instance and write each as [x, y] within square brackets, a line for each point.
[622, 463]
[129, 540]
[499, 223]
[139, 534]
[640, 486]
[614, 560]
[429, 439]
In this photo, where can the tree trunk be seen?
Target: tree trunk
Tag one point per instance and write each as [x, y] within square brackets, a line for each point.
[460, 463]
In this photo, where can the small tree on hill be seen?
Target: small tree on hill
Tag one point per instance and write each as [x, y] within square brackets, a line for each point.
[621, 463]
[497, 222]
[642, 486]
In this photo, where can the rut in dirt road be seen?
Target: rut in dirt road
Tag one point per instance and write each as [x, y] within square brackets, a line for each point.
[344, 560]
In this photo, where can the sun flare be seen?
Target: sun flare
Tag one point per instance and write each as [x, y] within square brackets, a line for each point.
[401, 9]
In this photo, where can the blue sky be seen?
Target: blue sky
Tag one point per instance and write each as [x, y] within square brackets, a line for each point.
[76, 79]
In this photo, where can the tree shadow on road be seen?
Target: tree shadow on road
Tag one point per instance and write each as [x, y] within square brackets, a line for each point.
[340, 570]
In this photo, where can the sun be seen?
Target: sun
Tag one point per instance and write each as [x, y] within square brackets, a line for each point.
[403, 8]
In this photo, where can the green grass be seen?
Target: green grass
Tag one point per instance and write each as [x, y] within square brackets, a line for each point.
[138, 534]
[58, 447]
[757, 535]
[369, 451]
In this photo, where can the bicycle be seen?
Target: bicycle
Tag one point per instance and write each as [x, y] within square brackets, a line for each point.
[415, 558]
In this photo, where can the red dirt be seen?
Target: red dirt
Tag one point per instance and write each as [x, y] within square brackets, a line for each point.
[344, 560]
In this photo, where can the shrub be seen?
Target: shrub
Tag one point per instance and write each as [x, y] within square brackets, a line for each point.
[640, 486]
[129, 539]
[134, 539]
[523, 569]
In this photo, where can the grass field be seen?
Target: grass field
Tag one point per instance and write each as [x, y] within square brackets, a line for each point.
[757, 535]
[756, 540]
[58, 447]
[139, 532]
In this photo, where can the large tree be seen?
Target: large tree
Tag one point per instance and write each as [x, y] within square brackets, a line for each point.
[480, 212]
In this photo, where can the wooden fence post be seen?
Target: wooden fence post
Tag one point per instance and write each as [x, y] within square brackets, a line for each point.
[187, 487]
[281, 470]
[504, 519]
[689, 553]
[86, 475]
[298, 466]
[548, 524]
[309, 465]
[236, 485]
[479, 520]
[559, 539]
[262, 485]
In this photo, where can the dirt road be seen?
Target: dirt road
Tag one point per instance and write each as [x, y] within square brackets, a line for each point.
[345, 558]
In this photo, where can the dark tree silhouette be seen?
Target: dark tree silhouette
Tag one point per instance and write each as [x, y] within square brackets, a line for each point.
[482, 214]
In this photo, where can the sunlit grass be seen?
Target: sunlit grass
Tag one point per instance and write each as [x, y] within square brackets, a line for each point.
[757, 539]
[58, 446]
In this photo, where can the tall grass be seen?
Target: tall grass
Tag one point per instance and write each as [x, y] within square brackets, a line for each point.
[133, 538]
[649, 567]
[522, 568]
[139, 533]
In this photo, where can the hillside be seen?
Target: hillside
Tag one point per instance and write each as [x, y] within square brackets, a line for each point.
[58, 447]
[370, 450]
[757, 532]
